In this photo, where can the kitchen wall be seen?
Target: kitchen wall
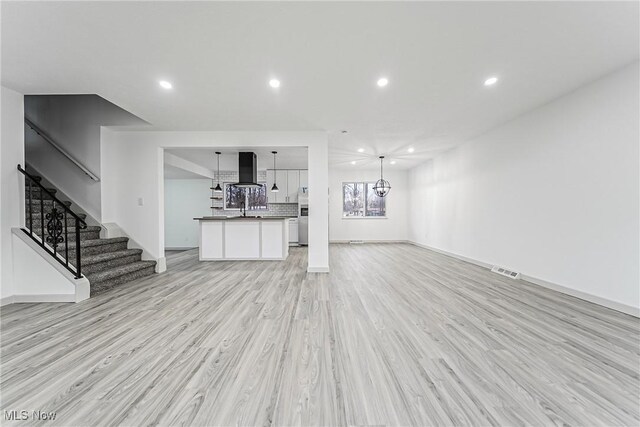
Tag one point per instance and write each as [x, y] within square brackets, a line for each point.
[185, 199]
[392, 228]
[133, 181]
[553, 194]
[11, 183]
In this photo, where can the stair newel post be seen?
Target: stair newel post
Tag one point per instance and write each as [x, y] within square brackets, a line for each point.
[30, 208]
[78, 268]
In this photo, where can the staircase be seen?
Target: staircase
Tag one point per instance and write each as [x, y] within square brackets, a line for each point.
[106, 263]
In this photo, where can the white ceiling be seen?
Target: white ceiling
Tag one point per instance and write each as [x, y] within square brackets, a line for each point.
[287, 157]
[328, 55]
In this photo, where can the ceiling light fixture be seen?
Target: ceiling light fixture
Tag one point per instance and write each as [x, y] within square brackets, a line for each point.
[165, 84]
[393, 162]
[360, 150]
[217, 188]
[383, 81]
[411, 149]
[353, 162]
[274, 83]
[491, 81]
[275, 188]
[382, 187]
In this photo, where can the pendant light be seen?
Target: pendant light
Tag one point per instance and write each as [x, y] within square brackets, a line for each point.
[217, 188]
[275, 188]
[382, 187]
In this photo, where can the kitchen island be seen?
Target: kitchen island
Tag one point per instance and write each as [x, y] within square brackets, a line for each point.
[243, 238]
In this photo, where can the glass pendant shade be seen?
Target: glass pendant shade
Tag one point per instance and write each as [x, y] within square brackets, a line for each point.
[382, 186]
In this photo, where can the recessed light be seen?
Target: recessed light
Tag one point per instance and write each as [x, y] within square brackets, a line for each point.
[353, 162]
[411, 149]
[360, 150]
[383, 81]
[491, 81]
[343, 131]
[165, 84]
[274, 83]
[393, 162]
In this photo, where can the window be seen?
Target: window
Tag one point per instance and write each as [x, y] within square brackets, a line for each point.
[360, 201]
[254, 198]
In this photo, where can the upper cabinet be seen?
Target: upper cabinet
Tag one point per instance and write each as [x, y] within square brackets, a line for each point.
[288, 181]
[293, 183]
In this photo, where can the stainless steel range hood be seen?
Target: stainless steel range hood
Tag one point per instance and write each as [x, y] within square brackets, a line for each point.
[247, 170]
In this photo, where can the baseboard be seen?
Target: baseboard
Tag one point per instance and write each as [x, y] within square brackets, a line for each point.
[17, 299]
[340, 242]
[161, 265]
[7, 300]
[180, 248]
[44, 298]
[317, 269]
[613, 305]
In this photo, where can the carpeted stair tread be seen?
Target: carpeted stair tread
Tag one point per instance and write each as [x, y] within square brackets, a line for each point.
[103, 276]
[37, 190]
[70, 229]
[36, 215]
[100, 242]
[46, 204]
[104, 257]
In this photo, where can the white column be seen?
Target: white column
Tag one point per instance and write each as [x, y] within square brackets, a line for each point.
[319, 206]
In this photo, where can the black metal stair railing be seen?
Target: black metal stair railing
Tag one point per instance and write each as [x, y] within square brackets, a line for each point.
[56, 231]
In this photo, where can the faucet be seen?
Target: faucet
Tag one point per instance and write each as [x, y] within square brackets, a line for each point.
[243, 208]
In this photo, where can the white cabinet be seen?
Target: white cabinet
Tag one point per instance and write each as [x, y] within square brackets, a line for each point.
[242, 239]
[288, 181]
[271, 197]
[293, 230]
[281, 181]
[293, 182]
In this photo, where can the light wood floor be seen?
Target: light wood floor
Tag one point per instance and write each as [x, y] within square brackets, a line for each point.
[394, 335]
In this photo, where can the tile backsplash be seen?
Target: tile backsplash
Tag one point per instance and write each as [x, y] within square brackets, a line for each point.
[274, 209]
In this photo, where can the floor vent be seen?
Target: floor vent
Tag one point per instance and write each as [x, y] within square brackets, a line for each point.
[355, 242]
[505, 272]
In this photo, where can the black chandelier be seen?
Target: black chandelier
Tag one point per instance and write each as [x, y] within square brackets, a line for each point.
[217, 188]
[275, 188]
[382, 187]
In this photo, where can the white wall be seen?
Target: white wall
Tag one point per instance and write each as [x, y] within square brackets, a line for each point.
[185, 199]
[553, 194]
[393, 228]
[132, 170]
[73, 122]
[40, 278]
[11, 182]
